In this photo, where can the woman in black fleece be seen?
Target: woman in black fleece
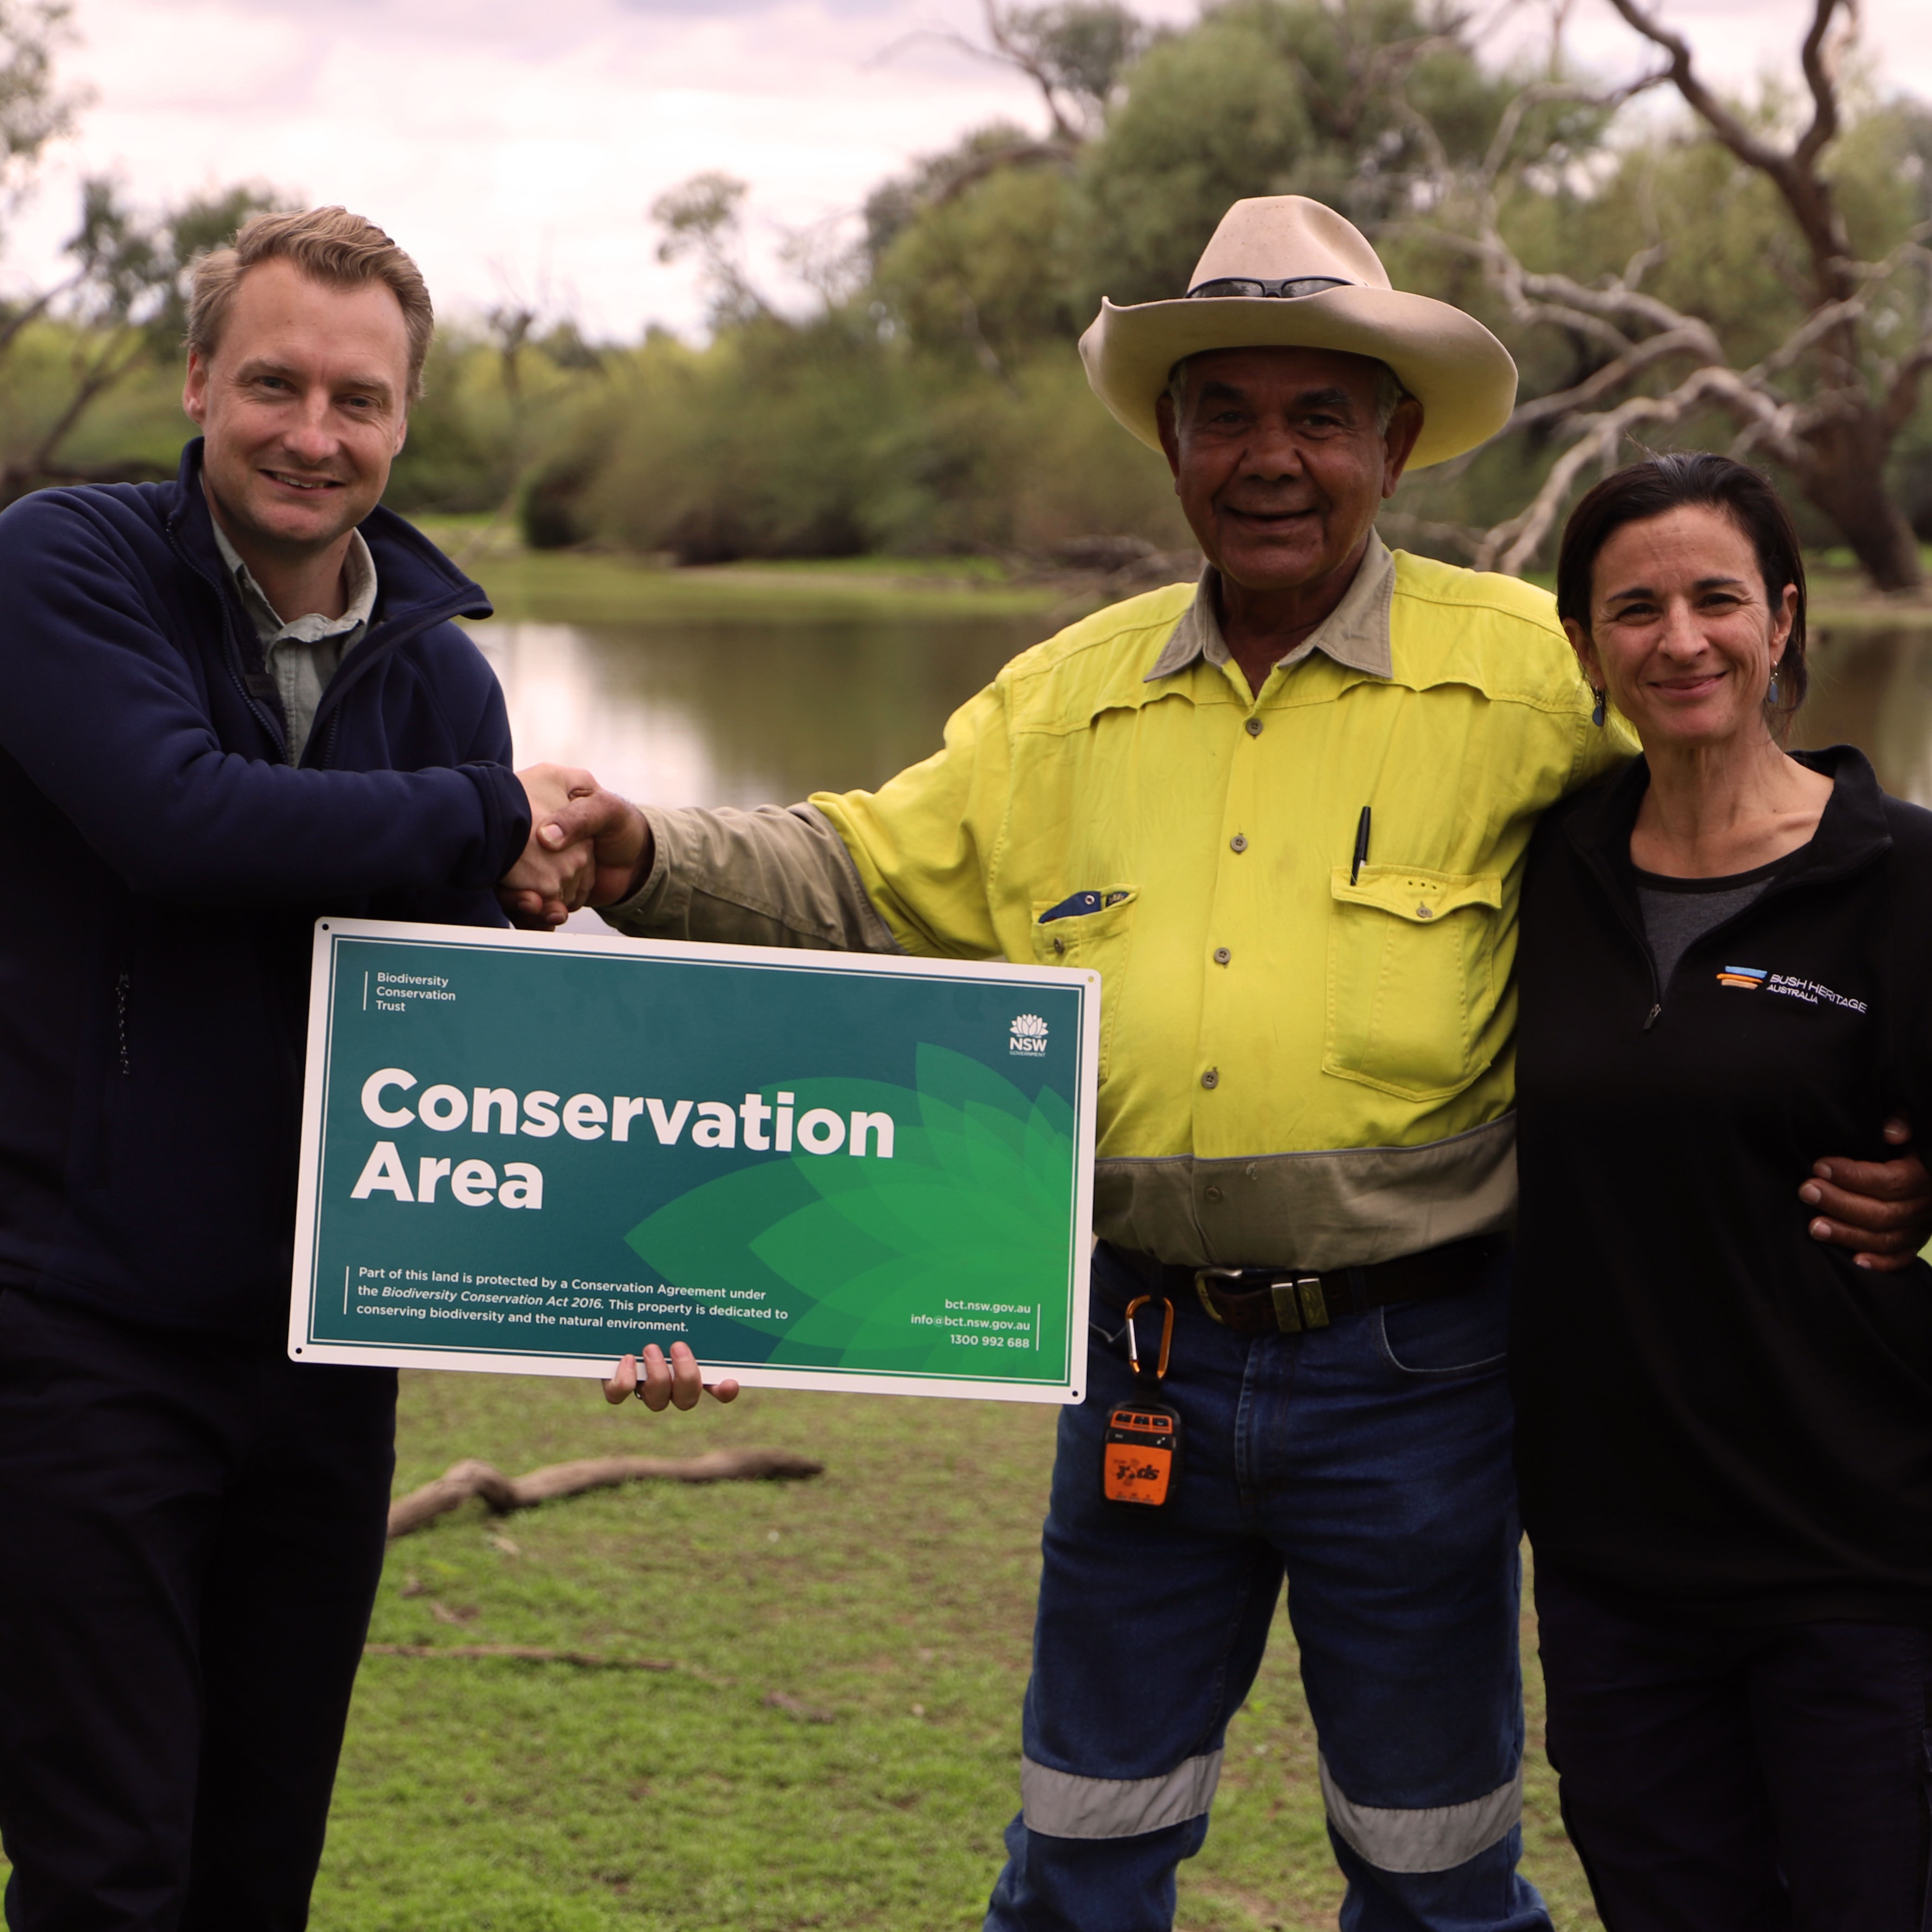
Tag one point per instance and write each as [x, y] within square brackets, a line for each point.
[1724, 1427]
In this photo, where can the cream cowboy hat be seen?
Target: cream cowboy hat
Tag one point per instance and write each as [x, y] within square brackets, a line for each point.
[1283, 271]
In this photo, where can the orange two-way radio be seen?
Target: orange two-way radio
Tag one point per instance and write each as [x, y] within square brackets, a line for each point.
[1141, 1464]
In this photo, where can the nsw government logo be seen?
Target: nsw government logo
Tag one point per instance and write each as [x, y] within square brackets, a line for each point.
[1029, 1034]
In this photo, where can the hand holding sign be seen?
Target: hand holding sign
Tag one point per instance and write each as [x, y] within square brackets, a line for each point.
[678, 1384]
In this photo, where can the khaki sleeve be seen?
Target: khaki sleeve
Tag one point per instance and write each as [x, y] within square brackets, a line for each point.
[777, 876]
[903, 869]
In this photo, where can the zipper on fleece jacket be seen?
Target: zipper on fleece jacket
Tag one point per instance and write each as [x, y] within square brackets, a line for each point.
[1630, 915]
[121, 980]
[1632, 923]
[231, 651]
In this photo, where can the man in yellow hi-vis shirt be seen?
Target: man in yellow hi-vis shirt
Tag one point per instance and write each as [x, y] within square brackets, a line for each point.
[1283, 813]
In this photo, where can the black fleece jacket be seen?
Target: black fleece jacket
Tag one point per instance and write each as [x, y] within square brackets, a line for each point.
[1717, 1415]
[165, 867]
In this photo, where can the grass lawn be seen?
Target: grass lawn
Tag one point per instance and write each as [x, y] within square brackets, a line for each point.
[836, 1740]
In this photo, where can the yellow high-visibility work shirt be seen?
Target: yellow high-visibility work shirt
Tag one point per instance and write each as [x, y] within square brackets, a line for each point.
[1297, 1067]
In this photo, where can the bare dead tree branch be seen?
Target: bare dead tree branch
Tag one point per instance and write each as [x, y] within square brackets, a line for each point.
[1612, 376]
[1551, 94]
[32, 311]
[1805, 193]
[1821, 82]
[1073, 54]
[1765, 421]
[1902, 393]
[1824, 403]
[1011, 50]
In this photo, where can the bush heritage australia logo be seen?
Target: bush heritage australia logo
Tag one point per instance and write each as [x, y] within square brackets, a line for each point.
[1760, 979]
[1029, 1034]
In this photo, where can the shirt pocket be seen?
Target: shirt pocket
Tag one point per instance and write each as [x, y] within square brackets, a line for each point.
[1411, 955]
[1098, 940]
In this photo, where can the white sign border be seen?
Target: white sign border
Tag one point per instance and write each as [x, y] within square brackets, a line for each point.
[303, 1347]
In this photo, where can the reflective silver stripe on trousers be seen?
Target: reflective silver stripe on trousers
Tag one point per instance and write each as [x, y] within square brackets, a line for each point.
[1059, 1805]
[1436, 1839]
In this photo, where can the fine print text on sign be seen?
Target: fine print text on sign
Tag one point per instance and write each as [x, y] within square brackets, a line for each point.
[537, 1153]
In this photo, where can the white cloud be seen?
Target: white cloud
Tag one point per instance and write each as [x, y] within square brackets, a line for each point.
[508, 141]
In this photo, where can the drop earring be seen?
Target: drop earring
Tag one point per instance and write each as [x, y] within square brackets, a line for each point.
[1770, 696]
[1597, 712]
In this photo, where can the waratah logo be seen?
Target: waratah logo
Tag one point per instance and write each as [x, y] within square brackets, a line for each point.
[1029, 1034]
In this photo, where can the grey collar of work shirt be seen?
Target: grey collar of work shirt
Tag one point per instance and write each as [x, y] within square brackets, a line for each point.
[304, 652]
[1355, 633]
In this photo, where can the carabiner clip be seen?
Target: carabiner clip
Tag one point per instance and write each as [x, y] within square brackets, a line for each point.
[1166, 1334]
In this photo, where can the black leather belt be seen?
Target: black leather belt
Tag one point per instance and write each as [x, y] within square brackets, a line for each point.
[1285, 1301]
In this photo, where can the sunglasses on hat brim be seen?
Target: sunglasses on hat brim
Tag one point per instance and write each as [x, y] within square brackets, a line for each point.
[1227, 286]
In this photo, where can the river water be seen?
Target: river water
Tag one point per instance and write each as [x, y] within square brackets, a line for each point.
[1872, 687]
[742, 713]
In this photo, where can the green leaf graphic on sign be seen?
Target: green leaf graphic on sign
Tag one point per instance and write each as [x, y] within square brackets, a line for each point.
[949, 1257]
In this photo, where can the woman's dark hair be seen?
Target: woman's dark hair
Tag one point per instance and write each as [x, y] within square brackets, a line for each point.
[1661, 484]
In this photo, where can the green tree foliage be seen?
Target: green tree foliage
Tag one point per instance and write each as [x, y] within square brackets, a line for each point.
[938, 407]
[123, 301]
[983, 271]
[35, 107]
[1001, 242]
[122, 309]
[1076, 53]
[701, 218]
[930, 400]
[1270, 97]
[822, 439]
[920, 393]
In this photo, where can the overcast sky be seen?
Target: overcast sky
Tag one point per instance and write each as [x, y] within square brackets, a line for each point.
[515, 146]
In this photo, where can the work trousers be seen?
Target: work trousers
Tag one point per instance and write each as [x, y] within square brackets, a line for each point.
[191, 1531]
[1369, 1460]
[1760, 1781]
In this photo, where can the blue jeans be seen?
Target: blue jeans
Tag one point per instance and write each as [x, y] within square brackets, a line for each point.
[1370, 1461]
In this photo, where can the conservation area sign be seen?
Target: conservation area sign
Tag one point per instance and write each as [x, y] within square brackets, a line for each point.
[537, 1153]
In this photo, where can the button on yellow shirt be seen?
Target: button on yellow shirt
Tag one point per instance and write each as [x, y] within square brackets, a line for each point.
[1296, 1068]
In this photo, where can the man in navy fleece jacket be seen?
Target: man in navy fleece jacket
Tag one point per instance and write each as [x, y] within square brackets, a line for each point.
[228, 704]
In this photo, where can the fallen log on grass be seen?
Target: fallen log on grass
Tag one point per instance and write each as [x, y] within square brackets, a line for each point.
[526, 1653]
[503, 1494]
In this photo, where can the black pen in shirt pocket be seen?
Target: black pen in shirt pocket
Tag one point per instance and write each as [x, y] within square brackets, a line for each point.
[1361, 847]
[1081, 902]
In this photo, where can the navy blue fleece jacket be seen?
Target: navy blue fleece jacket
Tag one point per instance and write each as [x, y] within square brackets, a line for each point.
[163, 870]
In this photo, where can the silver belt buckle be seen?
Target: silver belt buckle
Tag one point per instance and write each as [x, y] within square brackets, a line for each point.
[1299, 1302]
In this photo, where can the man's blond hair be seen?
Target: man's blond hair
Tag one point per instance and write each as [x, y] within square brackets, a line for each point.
[331, 245]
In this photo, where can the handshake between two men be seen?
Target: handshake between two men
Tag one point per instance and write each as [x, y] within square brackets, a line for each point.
[587, 846]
